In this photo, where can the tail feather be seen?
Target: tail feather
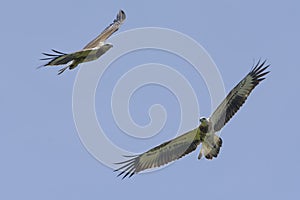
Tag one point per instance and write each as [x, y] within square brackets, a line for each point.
[211, 149]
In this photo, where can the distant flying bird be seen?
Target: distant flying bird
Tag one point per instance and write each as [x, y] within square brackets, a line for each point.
[90, 52]
[205, 133]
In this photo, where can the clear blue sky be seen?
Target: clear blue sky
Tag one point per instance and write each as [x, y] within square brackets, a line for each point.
[42, 156]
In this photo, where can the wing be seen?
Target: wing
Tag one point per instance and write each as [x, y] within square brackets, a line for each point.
[108, 31]
[237, 96]
[162, 154]
[62, 58]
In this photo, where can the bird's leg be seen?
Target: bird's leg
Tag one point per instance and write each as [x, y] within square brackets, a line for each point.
[74, 64]
[62, 70]
[210, 146]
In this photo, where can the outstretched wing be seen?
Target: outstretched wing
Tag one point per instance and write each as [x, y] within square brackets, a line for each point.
[108, 31]
[62, 58]
[237, 96]
[162, 154]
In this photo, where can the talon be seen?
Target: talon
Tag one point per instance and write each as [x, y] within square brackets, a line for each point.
[208, 156]
[199, 156]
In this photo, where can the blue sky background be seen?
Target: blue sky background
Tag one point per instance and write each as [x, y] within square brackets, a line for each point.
[42, 156]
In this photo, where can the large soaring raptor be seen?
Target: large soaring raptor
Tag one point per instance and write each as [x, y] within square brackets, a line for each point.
[205, 133]
[91, 51]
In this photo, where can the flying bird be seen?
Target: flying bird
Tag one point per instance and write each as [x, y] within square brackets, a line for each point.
[205, 133]
[90, 52]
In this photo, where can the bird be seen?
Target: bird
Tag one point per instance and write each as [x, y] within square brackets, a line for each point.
[204, 134]
[92, 51]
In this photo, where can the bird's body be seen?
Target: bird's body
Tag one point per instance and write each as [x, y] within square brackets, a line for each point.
[204, 134]
[90, 52]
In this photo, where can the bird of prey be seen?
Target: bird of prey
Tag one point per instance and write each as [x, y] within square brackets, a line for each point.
[205, 133]
[90, 52]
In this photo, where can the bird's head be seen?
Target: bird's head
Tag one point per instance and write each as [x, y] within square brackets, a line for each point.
[204, 125]
[203, 121]
[107, 46]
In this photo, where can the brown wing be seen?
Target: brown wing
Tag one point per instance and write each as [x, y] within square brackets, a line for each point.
[237, 96]
[162, 154]
[63, 58]
[108, 31]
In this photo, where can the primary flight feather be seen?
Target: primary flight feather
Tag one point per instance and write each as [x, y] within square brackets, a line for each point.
[90, 52]
[205, 133]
